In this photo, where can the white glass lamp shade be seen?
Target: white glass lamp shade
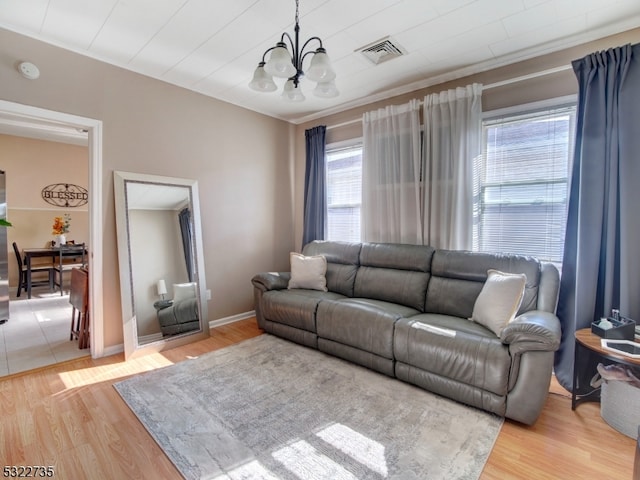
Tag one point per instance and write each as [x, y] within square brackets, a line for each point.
[326, 89]
[262, 81]
[292, 93]
[279, 64]
[162, 287]
[320, 69]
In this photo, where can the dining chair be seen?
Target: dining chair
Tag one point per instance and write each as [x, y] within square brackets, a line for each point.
[79, 300]
[39, 268]
[68, 256]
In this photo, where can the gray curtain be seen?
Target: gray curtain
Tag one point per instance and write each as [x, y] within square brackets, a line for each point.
[184, 217]
[315, 198]
[601, 266]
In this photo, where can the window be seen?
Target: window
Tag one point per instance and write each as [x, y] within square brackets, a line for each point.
[344, 193]
[522, 183]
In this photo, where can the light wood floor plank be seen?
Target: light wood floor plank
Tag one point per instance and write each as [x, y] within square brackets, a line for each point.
[70, 416]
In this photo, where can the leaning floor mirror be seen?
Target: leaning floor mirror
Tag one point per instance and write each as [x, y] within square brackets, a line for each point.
[160, 255]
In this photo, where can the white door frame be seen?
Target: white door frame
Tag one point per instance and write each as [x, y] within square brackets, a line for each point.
[94, 127]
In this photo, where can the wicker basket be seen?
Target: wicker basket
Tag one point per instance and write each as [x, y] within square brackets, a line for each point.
[620, 406]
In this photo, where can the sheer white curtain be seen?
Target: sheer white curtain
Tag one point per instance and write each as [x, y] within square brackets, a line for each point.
[452, 142]
[391, 175]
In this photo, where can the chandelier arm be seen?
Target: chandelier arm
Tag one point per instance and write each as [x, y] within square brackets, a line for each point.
[264, 55]
[310, 52]
[308, 41]
[286, 35]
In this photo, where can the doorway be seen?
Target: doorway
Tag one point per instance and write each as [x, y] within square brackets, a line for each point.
[37, 119]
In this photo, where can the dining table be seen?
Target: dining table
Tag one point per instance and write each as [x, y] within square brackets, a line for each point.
[53, 252]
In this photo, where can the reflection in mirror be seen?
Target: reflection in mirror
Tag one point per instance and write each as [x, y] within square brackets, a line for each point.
[161, 263]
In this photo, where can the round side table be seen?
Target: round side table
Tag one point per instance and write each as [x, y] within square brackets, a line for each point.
[585, 340]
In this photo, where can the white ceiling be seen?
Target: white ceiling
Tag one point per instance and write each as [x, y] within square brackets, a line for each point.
[213, 46]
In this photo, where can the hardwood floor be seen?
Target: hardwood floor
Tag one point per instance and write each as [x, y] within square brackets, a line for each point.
[69, 416]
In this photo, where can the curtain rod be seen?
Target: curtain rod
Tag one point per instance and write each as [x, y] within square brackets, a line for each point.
[489, 86]
[528, 76]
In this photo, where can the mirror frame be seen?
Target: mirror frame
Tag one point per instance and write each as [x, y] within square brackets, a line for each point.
[132, 348]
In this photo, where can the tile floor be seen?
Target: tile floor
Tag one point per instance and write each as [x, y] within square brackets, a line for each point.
[37, 333]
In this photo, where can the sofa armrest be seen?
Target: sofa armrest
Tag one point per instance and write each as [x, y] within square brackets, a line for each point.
[533, 330]
[271, 281]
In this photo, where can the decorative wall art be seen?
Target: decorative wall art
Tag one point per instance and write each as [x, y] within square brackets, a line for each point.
[65, 195]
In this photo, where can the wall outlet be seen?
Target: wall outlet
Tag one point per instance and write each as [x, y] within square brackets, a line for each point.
[208, 294]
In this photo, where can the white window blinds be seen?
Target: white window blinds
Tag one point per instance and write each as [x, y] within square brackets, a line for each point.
[522, 183]
[344, 193]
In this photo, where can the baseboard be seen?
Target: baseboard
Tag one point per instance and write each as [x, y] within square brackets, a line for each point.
[112, 350]
[146, 339]
[116, 349]
[231, 319]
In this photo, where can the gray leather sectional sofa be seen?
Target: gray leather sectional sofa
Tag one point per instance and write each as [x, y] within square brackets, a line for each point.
[404, 310]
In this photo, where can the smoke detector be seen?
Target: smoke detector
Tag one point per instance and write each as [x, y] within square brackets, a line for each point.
[29, 70]
[382, 50]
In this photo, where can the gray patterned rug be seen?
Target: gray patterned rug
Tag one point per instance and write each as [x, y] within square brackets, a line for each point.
[270, 409]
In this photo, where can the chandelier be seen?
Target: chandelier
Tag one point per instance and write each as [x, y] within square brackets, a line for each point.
[285, 64]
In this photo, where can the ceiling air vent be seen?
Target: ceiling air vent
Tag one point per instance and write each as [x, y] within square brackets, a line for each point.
[382, 50]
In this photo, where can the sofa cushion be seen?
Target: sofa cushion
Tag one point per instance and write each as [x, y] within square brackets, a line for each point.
[448, 322]
[476, 359]
[394, 273]
[308, 272]
[499, 300]
[184, 291]
[296, 308]
[452, 296]
[357, 356]
[457, 277]
[447, 387]
[361, 323]
[342, 263]
[296, 335]
[397, 256]
[394, 286]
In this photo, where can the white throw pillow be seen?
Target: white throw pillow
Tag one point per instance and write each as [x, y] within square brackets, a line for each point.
[308, 272]
[183, 291]
[499, 300]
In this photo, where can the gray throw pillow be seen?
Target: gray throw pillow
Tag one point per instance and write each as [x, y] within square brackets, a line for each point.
[499, 300]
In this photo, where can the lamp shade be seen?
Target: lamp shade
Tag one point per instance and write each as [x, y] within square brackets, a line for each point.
[280, 64]
[292, 93]
[326, 89]
[162, 287]
[320, 69]
[262, 81]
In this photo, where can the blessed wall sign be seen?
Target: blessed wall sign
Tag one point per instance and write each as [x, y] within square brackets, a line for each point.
[65, 195]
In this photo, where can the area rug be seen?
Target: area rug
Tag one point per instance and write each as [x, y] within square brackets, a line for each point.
[267, 408]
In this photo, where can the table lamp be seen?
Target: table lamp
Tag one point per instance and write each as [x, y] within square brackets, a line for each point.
[162, 288]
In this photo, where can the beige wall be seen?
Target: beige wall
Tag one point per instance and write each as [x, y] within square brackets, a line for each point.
[30, 166]
[156, 128]
[541, 88]
[250, 191]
